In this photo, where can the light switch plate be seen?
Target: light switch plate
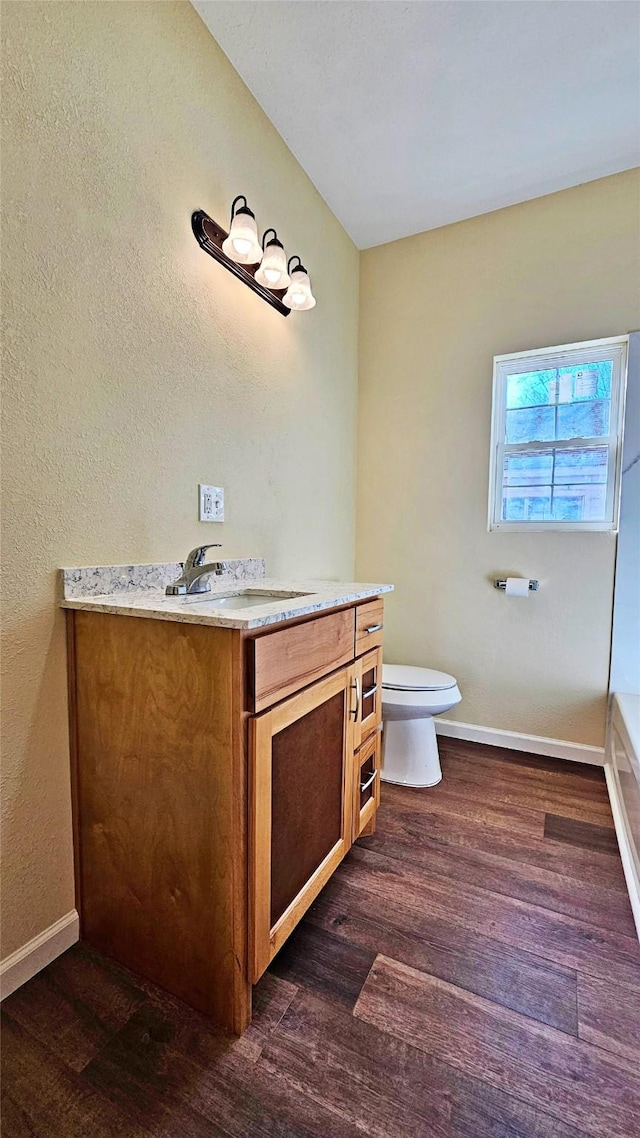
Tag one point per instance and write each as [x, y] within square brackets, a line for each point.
[211, 500]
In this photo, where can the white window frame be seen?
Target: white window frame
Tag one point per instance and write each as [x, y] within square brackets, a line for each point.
[587, 351]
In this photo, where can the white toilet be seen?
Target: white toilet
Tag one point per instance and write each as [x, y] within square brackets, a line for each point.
[410, 699]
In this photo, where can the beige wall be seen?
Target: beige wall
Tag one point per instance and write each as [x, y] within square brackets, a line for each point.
[135, 366]
[435, 309]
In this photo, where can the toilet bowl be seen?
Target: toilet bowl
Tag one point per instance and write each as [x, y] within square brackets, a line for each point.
[410, 699]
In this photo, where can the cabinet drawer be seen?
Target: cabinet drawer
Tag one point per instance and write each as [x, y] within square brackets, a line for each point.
[366, 711]
[369, 625]
[366, 790]
[280, 663]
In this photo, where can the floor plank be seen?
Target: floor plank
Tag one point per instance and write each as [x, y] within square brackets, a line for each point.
[142, 1073]
[573, 1081]
[323, 963]
[167, 1064]
[271, 998]
[575, 862]
[577, 833]
[449, 802]
[516, 979]
[390, 1088]
[569, 795]
[545, 933]
[411, 841]
[348, 1068]
[507, 756]
[43, 1098]
[76, 1004]
[484, 1112]
[609, 1016]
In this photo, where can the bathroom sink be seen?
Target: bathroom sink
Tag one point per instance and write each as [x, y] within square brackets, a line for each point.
[243, 599]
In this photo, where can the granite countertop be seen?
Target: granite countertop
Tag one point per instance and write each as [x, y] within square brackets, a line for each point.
[138, 590]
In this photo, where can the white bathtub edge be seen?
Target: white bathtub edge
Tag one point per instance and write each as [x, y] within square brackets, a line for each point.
[631, 877]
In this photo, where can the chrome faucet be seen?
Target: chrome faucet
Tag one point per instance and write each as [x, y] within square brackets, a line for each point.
[196, 572]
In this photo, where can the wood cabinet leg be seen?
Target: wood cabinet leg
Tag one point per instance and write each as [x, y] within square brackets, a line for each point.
[241, 1007]
[370, 828]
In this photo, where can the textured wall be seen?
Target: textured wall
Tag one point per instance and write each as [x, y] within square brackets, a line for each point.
[135, 366]
[435, 309]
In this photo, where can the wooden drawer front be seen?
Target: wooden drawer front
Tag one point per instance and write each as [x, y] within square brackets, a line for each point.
[369, 625]
[281, 663]
[366, 791]
[367, 693]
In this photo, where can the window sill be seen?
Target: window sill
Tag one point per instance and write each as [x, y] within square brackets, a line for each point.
[549, 527]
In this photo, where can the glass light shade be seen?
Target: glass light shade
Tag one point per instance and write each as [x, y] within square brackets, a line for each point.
[273, 270]
[299, 295]
[242, 244]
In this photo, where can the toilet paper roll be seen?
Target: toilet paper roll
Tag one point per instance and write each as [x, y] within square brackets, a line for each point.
[517, 587]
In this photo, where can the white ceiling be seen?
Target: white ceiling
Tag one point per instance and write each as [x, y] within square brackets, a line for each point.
[407, 116]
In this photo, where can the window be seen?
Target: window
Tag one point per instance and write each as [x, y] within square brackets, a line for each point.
[556, 437]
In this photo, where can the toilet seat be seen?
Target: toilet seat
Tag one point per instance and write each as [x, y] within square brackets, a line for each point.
[405, 678]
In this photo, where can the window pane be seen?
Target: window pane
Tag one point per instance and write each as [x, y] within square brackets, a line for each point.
[581, 464]
[522, 505]
[588, 381]
[580, 503]
[531, 424]
[586, 420]
[532, 468]
[530, 388]
[567, 507]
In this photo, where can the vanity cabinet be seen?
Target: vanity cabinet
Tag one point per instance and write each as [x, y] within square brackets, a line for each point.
[219, 776]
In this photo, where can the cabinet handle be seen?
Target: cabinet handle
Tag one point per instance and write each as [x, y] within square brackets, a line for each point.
[365, 785]
[356, 710]
[369, 692]
[374, 628]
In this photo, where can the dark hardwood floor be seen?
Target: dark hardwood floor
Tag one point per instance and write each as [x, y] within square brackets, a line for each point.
[471, 971]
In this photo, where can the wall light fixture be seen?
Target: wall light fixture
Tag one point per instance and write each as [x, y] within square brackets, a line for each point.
[263, 268]
[242, 244]
[299, 294]
[272, 270]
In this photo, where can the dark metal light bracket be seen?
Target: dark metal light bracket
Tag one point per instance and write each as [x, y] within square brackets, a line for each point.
[210, 236]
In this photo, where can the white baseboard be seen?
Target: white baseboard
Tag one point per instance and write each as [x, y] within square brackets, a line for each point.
[37, 953]
[630, 874]
[536, 744]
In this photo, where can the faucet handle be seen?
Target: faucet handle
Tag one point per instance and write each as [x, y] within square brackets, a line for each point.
[196, 557]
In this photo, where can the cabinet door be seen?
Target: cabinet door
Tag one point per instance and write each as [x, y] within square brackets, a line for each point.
[366, 786]
[366, 697]
[301, 772]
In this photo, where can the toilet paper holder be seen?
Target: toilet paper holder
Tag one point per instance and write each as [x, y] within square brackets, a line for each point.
[501, 583]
